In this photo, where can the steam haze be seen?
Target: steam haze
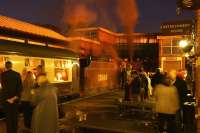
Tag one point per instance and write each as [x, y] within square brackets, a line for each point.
[128, 14]
[86, 13]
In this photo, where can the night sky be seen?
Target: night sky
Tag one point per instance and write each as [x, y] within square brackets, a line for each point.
[151, 13]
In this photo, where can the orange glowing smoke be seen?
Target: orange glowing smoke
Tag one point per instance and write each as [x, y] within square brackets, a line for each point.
[128, 14]
[77, 15]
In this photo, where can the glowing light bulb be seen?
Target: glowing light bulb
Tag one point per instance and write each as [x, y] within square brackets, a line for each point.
[183, 43]
[186, 55]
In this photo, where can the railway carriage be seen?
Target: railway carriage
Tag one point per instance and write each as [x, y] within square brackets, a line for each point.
[28, 45]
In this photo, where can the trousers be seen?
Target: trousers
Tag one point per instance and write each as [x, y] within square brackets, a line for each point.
[11, 112]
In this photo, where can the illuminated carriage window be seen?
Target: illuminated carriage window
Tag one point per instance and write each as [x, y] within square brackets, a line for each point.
[35, 62]
[61, 70]
[6, 59]
[27, 62]
[2, 67]
[31, 64]
[3, 60]
[1, 64]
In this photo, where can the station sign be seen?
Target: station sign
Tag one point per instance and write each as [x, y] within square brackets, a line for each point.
[177, 27]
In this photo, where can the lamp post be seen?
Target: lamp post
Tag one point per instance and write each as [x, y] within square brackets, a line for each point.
[198, 60]
[194, 5]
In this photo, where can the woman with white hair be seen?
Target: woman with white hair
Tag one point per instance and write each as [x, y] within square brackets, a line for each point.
[45, 114]
[167, 104]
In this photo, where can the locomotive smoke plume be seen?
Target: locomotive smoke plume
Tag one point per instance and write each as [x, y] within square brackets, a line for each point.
[78, 13]
[128, 14]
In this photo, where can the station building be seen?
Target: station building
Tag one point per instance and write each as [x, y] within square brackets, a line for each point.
[163, 48]
[171, 56]
[118, 45]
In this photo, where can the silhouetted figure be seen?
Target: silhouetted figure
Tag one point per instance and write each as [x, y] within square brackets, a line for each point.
[26, 106]
[123, 76]
[144, 85]
[156, 78]
[135, 86]
[11, 90]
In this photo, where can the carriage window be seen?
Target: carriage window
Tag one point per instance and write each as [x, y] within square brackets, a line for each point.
[35, 62]
[61, 70]
[32, 63]
[6, 59]
[1, 67]
[42, 62]
[27, 62]
[61, 74]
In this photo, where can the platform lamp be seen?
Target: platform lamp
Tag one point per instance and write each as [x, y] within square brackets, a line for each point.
[193, 5]
[186, 46]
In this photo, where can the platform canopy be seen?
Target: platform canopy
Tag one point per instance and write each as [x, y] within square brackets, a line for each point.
[22, 28]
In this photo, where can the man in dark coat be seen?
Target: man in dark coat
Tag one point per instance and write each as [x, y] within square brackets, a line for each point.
[156, 78]
[135, 86]
[11, 89]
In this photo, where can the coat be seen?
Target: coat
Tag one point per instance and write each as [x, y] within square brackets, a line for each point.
[167, 101]
[45, 114]
[11, 85]
[136, 85]
[181, 86]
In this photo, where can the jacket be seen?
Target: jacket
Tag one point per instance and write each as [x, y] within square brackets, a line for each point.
[11, 85]
[167, 101]
[45, 114]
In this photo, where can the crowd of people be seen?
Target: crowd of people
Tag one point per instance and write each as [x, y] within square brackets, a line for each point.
[38, 98]
[136, 83]
[169, 89]
[33, 95]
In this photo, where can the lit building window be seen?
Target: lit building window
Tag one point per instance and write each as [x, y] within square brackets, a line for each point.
[170, 47]
[166, 51]
[91, 35]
